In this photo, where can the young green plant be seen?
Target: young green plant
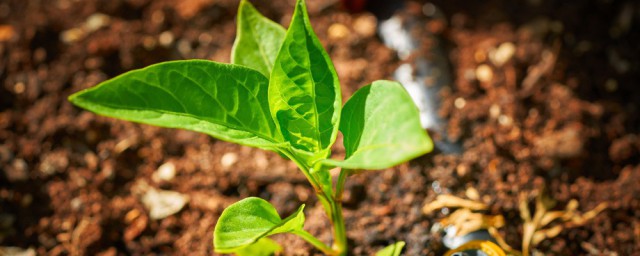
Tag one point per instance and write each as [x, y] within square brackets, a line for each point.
[281, 93]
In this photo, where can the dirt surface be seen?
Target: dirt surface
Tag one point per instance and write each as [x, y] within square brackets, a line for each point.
[561, 111]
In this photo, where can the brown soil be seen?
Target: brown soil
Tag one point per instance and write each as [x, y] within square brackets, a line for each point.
[562, 112]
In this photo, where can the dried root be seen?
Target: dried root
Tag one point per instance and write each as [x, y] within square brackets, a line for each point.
[538, 228]
[544, 224]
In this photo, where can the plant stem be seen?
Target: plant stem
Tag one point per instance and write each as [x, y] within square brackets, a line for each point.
[339, 232]
[342, 179]
[305, 170]
[315, 242]
[332, 204]
[337, 219]
[328, 204]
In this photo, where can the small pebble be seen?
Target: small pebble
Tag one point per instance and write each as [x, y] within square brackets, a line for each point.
[149, 42]
[166, 38]
[97, 21]
[472, 193]
[494, 111]
[157, 17]
[18, 171]
[484, 73]
[479, 56]
[184, 47]
[505, 120]
[365, 25]
[503, 54]
[469, 75]
[19, 88]
[338, 31]
[163, 203]
[76, 203]
[462, 170]
[228, 159]
[72, 35]
[460, 103]
[166, 172]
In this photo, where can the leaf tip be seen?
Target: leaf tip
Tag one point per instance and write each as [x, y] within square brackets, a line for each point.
[72, 98]
[244, 5]
[76, 98]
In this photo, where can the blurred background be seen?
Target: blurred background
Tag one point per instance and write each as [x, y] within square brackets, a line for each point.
[533, 93]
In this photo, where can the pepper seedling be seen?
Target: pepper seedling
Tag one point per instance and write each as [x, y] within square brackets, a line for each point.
[281, 93]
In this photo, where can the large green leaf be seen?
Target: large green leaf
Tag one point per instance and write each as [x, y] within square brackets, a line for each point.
[304, 90]
[248, 220]
[258, 40]
[381, 128]
[226, 101]
[263, 247]
[392, 250]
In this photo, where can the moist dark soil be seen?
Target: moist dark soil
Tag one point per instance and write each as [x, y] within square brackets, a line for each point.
[561, 112]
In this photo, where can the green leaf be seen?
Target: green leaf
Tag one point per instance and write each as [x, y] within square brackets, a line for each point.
[392, 250]
[264, 247]
[304, 90]
[248, 220]
[258, 40]
[226, 101]
[381, 128]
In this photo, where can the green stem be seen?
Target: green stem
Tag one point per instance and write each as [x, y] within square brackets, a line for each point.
[332, 204]
[315, 242]
[337, 219]
[327, 203]
[339, 232]
[305, 170]
[342, 179]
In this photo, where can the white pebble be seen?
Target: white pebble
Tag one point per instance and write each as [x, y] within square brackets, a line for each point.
[166, 38]
[505, 120]
[163, 203]
[166, 172]
[460, 103]
[494, 111]
[97, 21]
[484, 73]
[228, 159]
[503, 54]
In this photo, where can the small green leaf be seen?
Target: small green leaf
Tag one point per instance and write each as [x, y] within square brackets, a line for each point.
[264, 247]
[392, 250]
[304, 90]
[381, 128]
[248, 220]
[258, 40]
[226, 101]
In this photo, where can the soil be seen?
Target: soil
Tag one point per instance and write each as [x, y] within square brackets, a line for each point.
[561, 112]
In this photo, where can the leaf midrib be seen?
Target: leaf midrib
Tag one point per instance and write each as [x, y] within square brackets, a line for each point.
[207, 119]
[313, 85]
[260, 48]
